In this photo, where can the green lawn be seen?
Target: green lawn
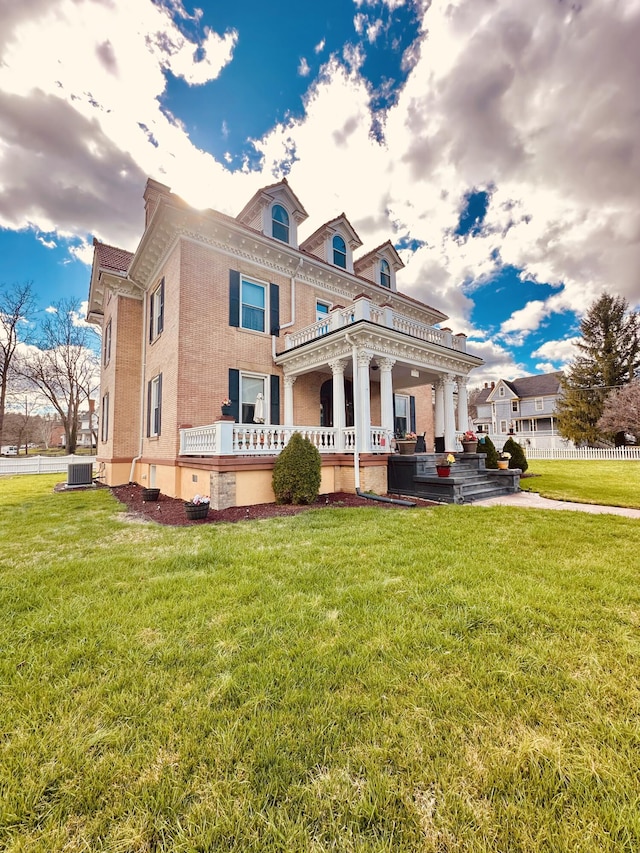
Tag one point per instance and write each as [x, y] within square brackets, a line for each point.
[590, 481]
[457, 679]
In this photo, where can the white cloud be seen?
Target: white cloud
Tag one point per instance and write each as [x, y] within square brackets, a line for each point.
[51, 310]
[303, 68]
[557, 352]
[48, 244]
[320, 46]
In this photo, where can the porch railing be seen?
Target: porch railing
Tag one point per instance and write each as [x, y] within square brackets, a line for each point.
[364, 309]
[226, 438]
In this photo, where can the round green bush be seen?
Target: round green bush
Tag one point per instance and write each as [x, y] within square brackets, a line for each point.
[485, 445]
[296, 473]
[518, 459]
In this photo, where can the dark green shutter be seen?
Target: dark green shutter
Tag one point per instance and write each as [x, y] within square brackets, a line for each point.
[234, 392]
[412, 413]
[234, 298]
[148, 409]
[151, 301]
[275, 399]
[274, 308]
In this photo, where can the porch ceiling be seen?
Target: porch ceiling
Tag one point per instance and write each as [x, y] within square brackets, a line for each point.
[410, 354]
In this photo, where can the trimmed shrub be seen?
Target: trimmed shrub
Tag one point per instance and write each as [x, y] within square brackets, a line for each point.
[296, 473]
[488, 447]
[518, 459]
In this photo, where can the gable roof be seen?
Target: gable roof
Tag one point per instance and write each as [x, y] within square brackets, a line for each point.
[111, 258]
[384, 250]
[330, 228]
[544, 384]
[266, 195]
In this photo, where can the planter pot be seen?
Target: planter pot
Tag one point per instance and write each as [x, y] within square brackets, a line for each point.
[470, 446]
[150, 494]
[443, 470]
[196, 511]
[503, 464]
[227, 411]
[406, 447]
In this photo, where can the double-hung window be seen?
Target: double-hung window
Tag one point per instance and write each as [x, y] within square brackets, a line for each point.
[253, 299]
[107, 344]
[154, 406]
[156, 312]
[104, 418]
[253, 403]
[539, 404]
[401, 419]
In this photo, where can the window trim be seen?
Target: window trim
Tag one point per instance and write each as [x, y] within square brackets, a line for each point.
[266, 386]
[539, 404]
[106, 356]
[385, 273]
[339, 251]
[501, 391]
[515, 406]
[154, 402]
[104, 418]
[156, 312]
[265, 310]
[277, 223]
[504, 429]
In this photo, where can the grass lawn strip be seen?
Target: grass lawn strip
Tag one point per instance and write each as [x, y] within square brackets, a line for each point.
[450, 679]
[612, 483]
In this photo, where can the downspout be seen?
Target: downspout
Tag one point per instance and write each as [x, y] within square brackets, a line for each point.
[143, 370]
[356, 452]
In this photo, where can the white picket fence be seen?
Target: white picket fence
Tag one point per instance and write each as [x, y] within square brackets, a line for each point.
[40, 464]
[611, 453]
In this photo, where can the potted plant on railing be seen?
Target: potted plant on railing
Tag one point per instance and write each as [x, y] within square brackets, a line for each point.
[443, 465]
[469, 442]
[407, 444]
[227, 410]
[503, 462]
[197, 508]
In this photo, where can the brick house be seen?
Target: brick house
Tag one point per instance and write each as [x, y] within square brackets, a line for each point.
[296, 335]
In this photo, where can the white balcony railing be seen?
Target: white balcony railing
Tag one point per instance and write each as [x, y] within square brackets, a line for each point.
[226, 438]
[364, 309]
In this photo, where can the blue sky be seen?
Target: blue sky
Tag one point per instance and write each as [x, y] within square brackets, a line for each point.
[497, 144]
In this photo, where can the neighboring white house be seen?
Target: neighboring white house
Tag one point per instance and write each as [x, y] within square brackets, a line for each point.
[524, 408]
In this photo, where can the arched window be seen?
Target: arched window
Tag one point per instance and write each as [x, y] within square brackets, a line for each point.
[280, 223]
[385, 273]
[339, 252]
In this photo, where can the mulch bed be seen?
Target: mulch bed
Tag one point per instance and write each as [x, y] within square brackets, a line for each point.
[168, 510]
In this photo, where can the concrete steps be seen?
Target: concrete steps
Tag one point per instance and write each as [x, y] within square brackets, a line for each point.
[468, 481]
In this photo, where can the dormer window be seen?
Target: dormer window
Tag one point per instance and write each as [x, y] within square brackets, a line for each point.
[280, 223]
[339, 252]
[385, 273]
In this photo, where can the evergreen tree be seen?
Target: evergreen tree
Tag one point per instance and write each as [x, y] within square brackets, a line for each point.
[488, 447]
[608, 354]
[518, 459]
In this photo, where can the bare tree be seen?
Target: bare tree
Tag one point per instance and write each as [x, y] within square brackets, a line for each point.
[64, 367]
[621, 413]
[16, 304]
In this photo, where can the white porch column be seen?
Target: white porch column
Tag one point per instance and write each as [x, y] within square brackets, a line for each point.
[449, 414]
[386, 393]
[289, 382]
[363, 427]
[337, 369]
[438, 413]
[463, 404]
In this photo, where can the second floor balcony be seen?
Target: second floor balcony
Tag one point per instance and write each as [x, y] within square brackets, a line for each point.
[362, 309]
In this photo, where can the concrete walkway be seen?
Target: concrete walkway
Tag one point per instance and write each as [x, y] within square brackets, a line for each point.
[532, 500]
